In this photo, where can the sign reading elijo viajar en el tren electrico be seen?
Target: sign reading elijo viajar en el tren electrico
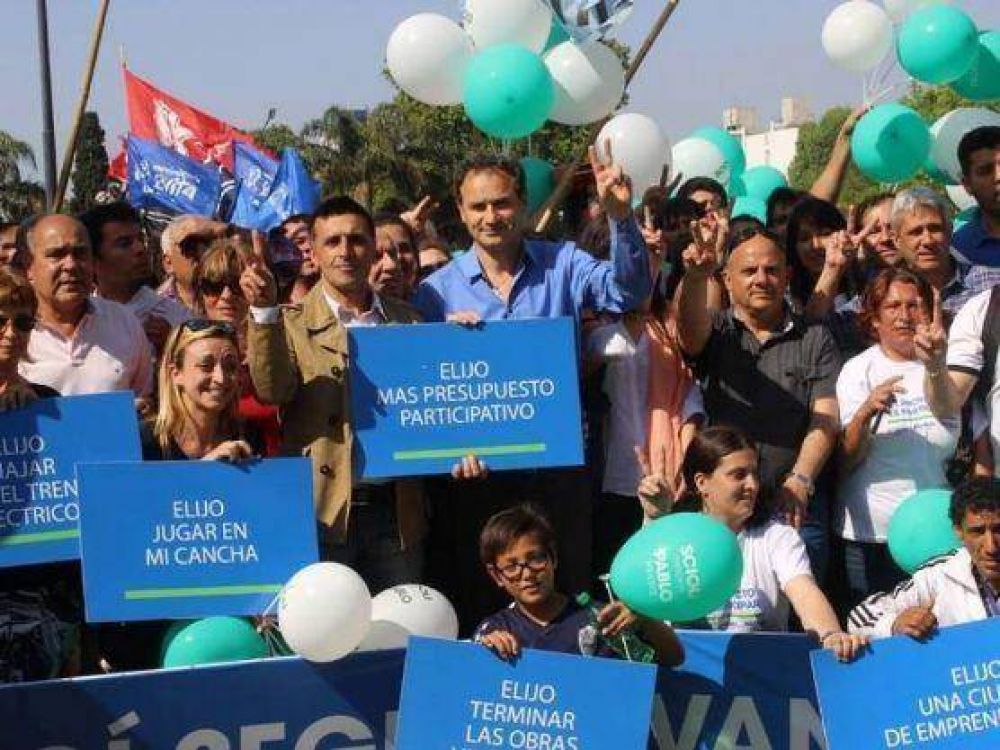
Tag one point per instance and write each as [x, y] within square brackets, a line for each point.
[424, 396]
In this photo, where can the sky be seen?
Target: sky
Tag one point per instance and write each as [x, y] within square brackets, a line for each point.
[238, 58]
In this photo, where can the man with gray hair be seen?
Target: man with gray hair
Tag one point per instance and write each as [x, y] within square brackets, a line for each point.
[921, 229]
[184, 241]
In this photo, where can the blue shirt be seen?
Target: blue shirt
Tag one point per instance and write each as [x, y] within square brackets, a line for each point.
[554, 279]
[976, 245]
[569, 633]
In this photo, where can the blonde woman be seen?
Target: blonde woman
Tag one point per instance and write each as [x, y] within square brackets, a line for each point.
[199, 387]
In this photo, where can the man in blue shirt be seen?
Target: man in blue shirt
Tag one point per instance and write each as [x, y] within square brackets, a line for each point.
[979, 154]
[505, 276]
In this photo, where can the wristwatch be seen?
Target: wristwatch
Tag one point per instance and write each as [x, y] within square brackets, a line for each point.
[804, 481]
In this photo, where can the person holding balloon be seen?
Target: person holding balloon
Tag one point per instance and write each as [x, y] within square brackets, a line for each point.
[892, 444]
[720, 473]
[950, 589]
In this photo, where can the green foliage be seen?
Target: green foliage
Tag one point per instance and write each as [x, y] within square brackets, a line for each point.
[19, 197]
[90, 165]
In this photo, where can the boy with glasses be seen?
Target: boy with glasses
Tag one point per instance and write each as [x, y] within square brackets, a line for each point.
[517, 547]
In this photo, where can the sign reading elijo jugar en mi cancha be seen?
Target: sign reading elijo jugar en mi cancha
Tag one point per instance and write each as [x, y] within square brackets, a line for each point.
[542, 700]
[178, 539]
[423, 396]
[39, 447]
[942, 694]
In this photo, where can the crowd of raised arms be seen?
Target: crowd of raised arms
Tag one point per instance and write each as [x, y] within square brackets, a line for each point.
[796, 381]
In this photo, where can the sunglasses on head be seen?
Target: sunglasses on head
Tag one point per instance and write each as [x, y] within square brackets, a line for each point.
[192, 247]
[22, 323]
[215, 288]
[197, 325]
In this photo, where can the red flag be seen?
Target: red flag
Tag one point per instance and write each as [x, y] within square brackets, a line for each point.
[118, 167]
[157, 116]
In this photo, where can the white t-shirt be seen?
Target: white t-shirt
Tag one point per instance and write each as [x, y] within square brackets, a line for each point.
[965, 354]
[773, 555]
[908, 453]
[626, 384]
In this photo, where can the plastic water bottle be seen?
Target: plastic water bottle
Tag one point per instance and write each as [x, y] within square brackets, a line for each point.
[628, 645]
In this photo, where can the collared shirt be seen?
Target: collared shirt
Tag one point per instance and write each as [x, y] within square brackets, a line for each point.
[147, 303]
[168, 289]
[991, 601]
[108, 351]
[349, 319]
[554, 279]
[976, 244]
[767, 389]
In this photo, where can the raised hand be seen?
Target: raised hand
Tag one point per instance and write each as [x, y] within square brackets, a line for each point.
[701, 257]
[257, 281]
[931, 340]
[417, 216]
[653, 491]
[614, 188]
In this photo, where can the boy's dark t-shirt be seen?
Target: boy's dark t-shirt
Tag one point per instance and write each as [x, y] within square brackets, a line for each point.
[569, 633]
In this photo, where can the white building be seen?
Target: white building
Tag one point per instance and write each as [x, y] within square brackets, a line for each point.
[774, 145]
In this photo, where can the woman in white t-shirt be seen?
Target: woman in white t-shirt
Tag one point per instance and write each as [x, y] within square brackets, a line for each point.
[720, 472]
[891, 445]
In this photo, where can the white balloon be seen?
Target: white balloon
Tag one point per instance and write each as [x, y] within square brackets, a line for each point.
[523, 22]
[589, 79]
[900, 10]
[960, 197]
[324, 611]
[948, 132]
[857, 35]
[427, 55]
[384, 636]
[696, 157]
[638, 146]
[419, 610]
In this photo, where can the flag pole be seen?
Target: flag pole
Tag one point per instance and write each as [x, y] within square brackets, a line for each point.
[81, 106]
[48, 128]
[548, 210]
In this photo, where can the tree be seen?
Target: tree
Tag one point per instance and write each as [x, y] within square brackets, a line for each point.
[90, 166]
[19, 197]
[815, 143]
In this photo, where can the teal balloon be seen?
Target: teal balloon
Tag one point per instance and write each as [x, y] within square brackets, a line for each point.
[982, 82]
[678, 568]
[890, 143]
[749, 205]
[557, 35]
[736, 188]
[920, 529]
[934, 171]
[213, 640]
[964, 217]
[730, 147]
[539, 178]
[937, 44]
[507, 91]
[760, 182]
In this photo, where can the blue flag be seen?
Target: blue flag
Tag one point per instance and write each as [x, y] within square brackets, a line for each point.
[161, 178]
[292, 192]
[255, 172]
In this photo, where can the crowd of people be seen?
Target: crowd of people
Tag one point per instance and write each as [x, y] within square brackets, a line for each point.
[796, 380]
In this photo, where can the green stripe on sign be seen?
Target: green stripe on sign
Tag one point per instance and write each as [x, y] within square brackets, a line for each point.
[486, 450]
[41, 536]
[180, 593]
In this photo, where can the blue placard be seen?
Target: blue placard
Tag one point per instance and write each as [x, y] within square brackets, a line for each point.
[543, 700]
[943, 694]
[733, 691]
[179, 539]
[39, 446]
[423, 396]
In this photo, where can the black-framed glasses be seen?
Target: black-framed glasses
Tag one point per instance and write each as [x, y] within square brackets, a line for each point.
[197, 325]
[215, 288]
[536, 562]
[22, 323]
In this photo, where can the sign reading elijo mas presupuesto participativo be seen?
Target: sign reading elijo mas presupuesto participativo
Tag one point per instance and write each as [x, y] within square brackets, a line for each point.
[39, 448]
[423, 396]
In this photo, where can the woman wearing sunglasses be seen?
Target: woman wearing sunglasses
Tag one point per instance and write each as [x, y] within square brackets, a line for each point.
[18, 306]
[220, 296]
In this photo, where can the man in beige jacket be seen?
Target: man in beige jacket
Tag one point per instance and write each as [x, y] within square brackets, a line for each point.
[298, 359]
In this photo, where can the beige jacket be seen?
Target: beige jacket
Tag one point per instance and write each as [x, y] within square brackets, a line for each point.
[300, 364]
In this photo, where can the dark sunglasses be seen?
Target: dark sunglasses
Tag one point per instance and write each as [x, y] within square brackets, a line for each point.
[216, 288]
[197, 325]
[22, 323]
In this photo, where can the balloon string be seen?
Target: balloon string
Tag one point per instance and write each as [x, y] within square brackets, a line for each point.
[606, 580]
